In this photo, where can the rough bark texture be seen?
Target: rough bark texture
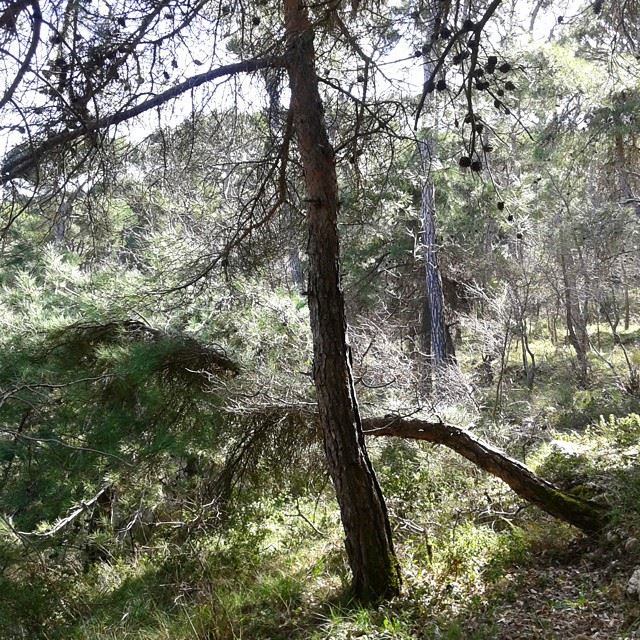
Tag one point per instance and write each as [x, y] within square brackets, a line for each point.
[440, 348]
[586, 515]
[365, 520]
[435, 298]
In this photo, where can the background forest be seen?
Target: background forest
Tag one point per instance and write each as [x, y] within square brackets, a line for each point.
[439, 200]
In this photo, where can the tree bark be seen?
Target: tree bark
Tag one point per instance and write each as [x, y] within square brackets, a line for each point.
[576, 320]
[440, 354]
[584, 514]
[369, 545]
[441, 350]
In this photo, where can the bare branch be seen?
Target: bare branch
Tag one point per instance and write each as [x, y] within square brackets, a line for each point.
[21, 162]
[35, 39]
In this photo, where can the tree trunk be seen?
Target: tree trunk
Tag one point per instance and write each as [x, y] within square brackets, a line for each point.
[586, 515]
[627, 306]
[504, 355]
[296, 271]
[440, 354]
[293, 265]
[576, 322]
[441, 350]
[528, 357]
[425, 362]
[365, 520]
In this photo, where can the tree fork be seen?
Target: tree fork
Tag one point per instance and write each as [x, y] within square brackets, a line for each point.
[374, 566]
[584, 514]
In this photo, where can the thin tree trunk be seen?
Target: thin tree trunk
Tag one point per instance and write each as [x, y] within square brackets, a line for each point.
[504, 354]
[425, 362]
[293, 265]
[576, 323]
[611, 312]
[627, 306]
[552, 323]
[529, 369]
[369, 545]
[295, 268]
[584, 514]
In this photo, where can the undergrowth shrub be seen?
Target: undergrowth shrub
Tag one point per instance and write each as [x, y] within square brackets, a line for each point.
[600, 463]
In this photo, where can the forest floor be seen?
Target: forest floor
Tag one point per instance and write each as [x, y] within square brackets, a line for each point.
[574, 591]
[477, 563]
[572, 588]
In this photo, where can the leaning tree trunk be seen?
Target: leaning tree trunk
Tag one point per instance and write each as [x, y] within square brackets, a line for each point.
[584, 514]
[365, 520]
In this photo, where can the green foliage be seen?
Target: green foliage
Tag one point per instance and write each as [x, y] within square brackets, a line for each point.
[600, 463]
[94, 400]
[155, 354]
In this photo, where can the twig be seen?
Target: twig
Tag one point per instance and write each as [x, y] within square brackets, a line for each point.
[77, 511]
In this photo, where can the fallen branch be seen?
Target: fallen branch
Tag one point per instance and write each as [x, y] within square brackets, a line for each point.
[584, 514]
